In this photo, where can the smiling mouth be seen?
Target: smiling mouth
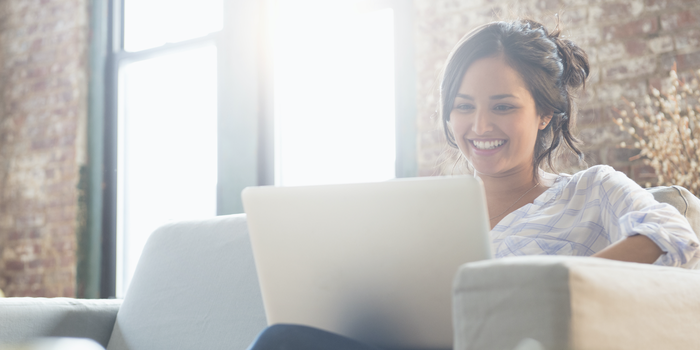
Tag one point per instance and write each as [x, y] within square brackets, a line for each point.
[487, 145]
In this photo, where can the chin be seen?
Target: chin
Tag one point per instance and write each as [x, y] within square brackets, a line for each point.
[486, 169]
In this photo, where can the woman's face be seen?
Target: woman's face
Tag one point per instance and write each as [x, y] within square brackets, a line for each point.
[494, 119]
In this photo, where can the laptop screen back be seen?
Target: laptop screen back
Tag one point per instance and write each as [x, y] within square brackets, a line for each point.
[371, 261]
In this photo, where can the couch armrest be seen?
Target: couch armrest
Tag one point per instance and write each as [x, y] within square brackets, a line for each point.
[23, 319]
[575, 303]
[195, 287]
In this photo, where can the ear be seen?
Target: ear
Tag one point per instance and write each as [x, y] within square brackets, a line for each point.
[544, 121]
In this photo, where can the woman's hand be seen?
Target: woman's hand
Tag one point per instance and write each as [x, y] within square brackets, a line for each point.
[637, 248]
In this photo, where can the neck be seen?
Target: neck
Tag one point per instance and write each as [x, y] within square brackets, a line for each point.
[508, 185]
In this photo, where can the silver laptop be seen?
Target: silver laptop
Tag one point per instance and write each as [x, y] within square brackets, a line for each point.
[372, 261]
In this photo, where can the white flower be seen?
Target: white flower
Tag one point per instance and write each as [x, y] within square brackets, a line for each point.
[623, 144]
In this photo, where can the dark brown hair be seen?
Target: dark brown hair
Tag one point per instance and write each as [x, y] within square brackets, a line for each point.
[552, 68]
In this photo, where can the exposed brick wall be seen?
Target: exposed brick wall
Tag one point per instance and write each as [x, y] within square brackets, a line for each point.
[631, 44]
[43, 98]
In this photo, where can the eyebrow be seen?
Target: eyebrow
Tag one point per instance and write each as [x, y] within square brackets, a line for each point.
[494, 97]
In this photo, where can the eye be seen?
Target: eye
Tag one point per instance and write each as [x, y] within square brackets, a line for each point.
[503, 108]
[464, 107]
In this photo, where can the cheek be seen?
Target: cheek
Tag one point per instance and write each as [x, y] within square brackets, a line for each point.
[458, 130]
[457, 126]
[528, 138]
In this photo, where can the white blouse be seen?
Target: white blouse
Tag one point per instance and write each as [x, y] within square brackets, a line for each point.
[583, 213]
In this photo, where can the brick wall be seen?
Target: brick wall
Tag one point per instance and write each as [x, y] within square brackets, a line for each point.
[43, 97]
[631, 44]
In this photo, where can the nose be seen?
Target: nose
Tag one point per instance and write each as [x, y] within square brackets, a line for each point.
[482, 124]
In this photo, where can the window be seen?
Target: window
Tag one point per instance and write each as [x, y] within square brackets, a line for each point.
[203, 98]
[166, 148]
[167, 121]
[334, 95]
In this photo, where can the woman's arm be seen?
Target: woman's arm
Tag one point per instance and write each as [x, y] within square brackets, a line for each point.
[635, 248]
[627, 211]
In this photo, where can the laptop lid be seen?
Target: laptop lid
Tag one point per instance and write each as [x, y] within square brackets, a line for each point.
[372, 261]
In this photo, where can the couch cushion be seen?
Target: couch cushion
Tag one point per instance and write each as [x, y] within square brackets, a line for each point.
[195, 287]
[23, 319]
[575, 303]
[679, 197]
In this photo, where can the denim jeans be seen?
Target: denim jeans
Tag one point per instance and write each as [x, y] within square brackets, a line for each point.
[297, 337]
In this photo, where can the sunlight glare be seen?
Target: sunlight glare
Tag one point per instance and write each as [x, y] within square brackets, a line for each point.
[334, 95]
[167, 148]
[152, 23]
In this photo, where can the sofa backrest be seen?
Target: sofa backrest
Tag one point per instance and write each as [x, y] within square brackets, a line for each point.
[686, 203]
[195, 287]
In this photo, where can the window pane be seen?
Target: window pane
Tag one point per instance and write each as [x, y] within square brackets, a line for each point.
[152, 23]
[167, 148]
[334, 96]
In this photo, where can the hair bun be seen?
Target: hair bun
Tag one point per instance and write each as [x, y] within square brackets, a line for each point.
[574, 59]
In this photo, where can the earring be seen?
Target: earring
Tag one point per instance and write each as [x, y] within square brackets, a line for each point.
[544, 123]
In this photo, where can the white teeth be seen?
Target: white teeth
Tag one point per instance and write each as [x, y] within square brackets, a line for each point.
[487, 144]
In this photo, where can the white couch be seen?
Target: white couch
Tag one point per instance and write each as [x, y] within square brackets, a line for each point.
[195, 288]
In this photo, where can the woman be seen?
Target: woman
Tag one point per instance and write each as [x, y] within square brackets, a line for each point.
[507, 103]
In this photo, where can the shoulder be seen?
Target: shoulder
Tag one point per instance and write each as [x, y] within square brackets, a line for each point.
[595, 171]
[600, 175]
[587, 177]
[605, 181]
